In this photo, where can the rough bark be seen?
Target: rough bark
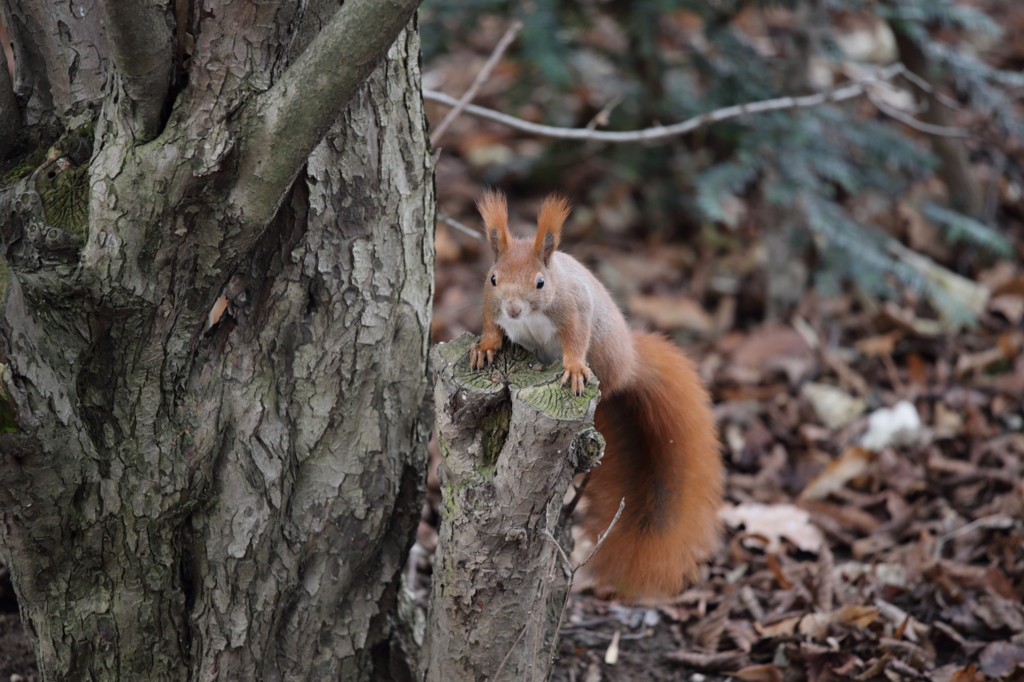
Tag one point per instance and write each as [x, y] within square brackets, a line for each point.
[10, 116]
[234, 503]
[511, 441]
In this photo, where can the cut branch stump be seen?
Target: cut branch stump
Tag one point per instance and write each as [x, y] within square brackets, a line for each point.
[511, 441]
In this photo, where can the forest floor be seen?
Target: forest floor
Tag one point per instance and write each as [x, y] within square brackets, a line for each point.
[875, 494]
[875, 491]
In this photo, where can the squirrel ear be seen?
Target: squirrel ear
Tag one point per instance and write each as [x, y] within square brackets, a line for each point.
[553, 213]
[494, 211]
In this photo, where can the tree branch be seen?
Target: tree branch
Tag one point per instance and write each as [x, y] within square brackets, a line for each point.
[292, 117]
[659, 133]
[10, 117]
[485, 72]
[142, 47]
[907, 119]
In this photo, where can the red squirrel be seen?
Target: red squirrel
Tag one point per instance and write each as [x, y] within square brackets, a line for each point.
[661, 453]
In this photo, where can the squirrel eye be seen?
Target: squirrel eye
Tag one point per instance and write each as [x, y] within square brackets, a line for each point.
[494, 282]
[540, 282]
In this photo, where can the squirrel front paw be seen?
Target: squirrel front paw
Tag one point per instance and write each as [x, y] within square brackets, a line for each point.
[580, 375]
[481, 354]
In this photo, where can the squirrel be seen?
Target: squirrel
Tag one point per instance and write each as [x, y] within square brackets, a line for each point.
[661, 453]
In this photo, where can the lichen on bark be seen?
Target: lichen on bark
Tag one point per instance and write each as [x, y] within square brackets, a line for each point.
[512, 439]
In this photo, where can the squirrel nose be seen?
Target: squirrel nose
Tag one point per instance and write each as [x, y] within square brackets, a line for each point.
[513, 310]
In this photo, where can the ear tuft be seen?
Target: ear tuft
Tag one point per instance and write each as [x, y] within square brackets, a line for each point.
[494, 210]
[553, 213]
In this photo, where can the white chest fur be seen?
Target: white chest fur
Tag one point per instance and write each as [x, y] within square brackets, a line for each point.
[534, 331]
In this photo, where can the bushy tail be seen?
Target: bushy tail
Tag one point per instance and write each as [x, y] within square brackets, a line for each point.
[663, 457]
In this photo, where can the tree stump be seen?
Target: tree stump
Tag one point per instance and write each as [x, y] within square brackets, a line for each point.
[511, 441]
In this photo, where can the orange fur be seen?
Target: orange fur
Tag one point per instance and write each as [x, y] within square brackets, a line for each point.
[662, 456]
[553, 213]
[662, 446]
[494, 211]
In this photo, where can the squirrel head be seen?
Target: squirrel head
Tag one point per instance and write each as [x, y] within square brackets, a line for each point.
[521, 277]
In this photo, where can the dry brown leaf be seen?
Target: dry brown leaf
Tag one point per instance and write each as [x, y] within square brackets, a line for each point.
[785, 627]
[742, 635]
[883, 344]
[1010, 306]
[760, 673]
[727, 660]
[968, 674]
[858, 616]
[999, 659]
[855, 461]
[815, 625]
[767, 343]
[1014, 286]
[708, 631]
[892, 315]
[847, 516]
[917, 370]
[775, 522]
[776, 568]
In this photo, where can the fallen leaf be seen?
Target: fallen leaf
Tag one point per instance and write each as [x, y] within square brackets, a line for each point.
[775, 522]
[727, 660]
[883, 344]
[767, 343]
[999, 659]
[760, 673]
[835, 407]
[855, 461]
[785, 627]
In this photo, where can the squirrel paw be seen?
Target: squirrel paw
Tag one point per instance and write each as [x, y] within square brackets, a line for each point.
[580, 375]
[480, 355]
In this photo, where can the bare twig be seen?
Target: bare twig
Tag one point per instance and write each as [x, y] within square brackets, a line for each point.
[604, 535]
[999, 521]
[452, 222]
[924, 85]
[928, 128]
[601, 119]
[480, 79]
[497, 673]
[540, 610]
[659, 133]
[572, 576]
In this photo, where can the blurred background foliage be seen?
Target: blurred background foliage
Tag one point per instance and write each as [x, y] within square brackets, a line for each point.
[836, 193]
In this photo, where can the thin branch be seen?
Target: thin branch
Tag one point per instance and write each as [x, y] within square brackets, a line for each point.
[659, 133]
[924, 85]
[480, 79]
[572, 576]
[501, 667]
[906, 119]
[600, 540]
[142, 48]
[452, 222]
[601, 118]
[291, 118]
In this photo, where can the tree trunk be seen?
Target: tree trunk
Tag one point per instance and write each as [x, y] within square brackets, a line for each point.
[181, 500]
[965, 191]
[511, 441]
